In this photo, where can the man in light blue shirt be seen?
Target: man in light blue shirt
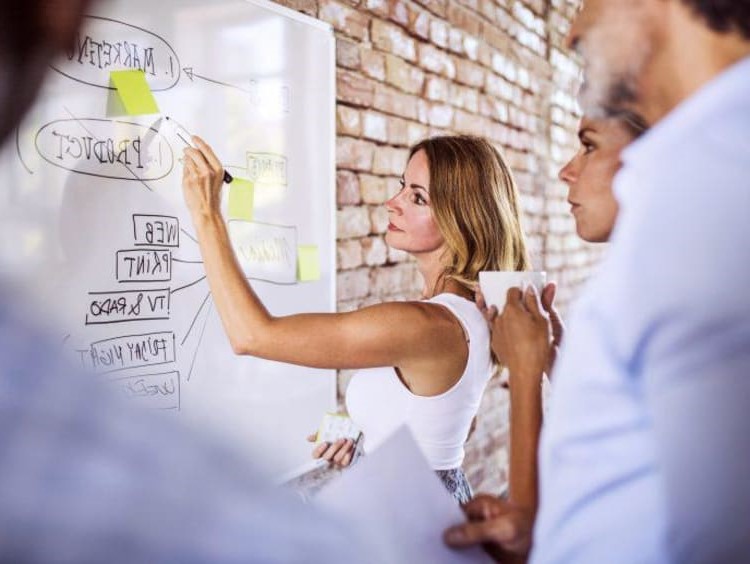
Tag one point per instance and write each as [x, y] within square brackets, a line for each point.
[645, 454]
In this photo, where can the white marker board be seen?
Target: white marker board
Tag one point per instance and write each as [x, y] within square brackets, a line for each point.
[93, 219]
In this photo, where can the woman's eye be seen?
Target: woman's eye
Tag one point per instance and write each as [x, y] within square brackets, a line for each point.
[419, 200]
[588, 148]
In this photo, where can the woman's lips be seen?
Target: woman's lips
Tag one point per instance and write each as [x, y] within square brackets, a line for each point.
[392, 227]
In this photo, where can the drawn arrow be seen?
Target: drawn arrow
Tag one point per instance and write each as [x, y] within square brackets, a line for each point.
[192, 75]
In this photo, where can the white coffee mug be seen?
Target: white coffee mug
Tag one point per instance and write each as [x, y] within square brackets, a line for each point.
[495, 284]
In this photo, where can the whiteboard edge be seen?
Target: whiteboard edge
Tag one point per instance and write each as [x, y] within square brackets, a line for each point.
[292, 14]
[332, 197]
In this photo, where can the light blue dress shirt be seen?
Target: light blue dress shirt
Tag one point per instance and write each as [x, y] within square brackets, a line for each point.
[645, 453]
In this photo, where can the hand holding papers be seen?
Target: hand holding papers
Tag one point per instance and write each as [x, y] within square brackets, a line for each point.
[395, 500]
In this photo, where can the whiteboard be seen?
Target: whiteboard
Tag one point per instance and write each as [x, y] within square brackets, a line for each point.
[93, 221]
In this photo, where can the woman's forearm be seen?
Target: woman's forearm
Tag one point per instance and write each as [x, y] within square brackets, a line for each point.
[525, 427]
[243, 315]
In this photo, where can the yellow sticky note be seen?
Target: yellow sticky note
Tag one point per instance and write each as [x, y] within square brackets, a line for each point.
[308, 263]
[134, 92]
[241, 194]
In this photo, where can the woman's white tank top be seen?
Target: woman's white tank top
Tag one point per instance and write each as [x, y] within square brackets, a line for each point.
[379, 402]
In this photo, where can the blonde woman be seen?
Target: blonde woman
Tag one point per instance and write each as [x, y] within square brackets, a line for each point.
[423, 363]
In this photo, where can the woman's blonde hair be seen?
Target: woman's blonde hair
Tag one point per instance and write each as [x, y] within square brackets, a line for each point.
[475, 205]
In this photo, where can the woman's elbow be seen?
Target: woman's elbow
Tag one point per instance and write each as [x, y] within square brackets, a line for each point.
[254, 341]
[243, 346]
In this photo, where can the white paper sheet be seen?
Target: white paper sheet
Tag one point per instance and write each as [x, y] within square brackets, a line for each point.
[396, 502]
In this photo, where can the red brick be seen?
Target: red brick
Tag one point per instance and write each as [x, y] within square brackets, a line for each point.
[373, 64]
[353, 284]
[498, 87]
[417, 132]
[486, 105]
[374, 189]
[469, 73]
[420, 23]
[347, 54]
[374, 126]
[503, 19]
[374, 251]
[354, 88]
[403, 76]
[309, 7]
[348, 121]
[439, 33]
[387, 37]
[352, 221]
[390, 280]
[496, 37]
[436, 60]
[354, 154]
[393, 102]
[494, 108]
[436, 88]
[398, 11]
[464, 19]
[423, 111]
[503, 66]
[389, 160]
[438, 131]
[344, 19]
[471, 4]
[470, 124]
[488, 9]
[437, 7]
[347, 188]
[377, 7]
[471, 47]
[484, 56]
[466, 98]
[398, 131]
[348, 254]
[440, 115]
[456, 41]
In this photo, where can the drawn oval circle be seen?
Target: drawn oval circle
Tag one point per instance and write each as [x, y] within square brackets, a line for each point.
[104, 45]
[105, 148]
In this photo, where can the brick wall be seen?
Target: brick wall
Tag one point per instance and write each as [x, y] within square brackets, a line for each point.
[407, 69]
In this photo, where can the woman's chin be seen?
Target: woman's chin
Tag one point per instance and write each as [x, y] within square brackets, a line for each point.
[391, 239]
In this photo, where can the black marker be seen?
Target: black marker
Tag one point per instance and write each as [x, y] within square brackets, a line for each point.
[179, 131]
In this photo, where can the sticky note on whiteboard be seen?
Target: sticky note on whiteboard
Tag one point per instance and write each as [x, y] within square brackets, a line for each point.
[241, 199]
[308, 263]
[134, 92]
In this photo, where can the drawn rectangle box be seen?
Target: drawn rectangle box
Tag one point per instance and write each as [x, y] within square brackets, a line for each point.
[121, 306]
[156, 230]
[267, 168]
[144, 265]
[265, 251]
[159, 390]
[133, 351]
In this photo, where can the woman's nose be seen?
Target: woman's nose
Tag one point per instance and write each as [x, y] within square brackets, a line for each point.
[393, 204]
[568, 173]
